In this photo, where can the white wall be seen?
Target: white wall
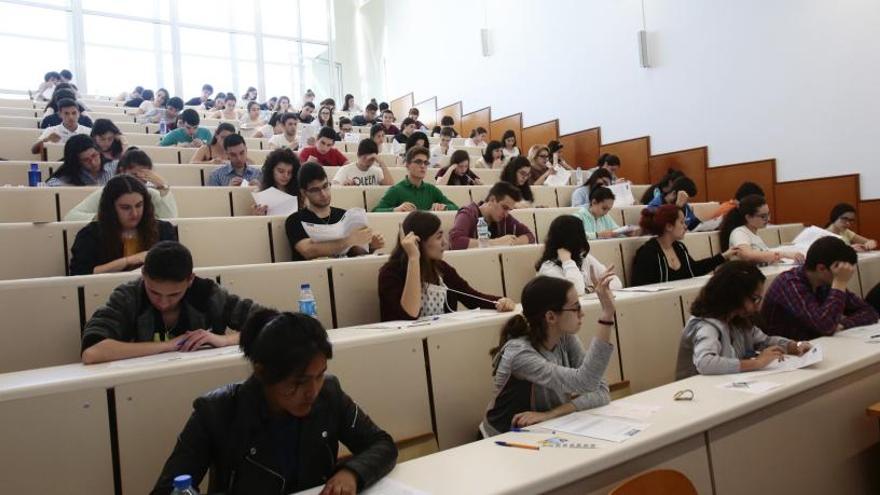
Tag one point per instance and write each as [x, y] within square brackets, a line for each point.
[796, 80]
[358, 46]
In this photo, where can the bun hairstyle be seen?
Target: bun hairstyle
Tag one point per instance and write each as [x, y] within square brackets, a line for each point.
[282, 344]
[655, 220]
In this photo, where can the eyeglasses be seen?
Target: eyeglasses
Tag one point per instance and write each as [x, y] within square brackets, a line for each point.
[576, 309]
[543, 155]
[420, 162]
[756, 298]
[316, 190]
[763, 216]
[847, 219]
[523, 173]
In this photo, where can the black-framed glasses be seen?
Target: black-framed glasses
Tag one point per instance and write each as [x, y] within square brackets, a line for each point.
[576, 309]
[316, 190]
[420, 162]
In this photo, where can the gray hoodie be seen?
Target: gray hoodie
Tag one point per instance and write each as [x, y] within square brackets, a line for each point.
[709, 347]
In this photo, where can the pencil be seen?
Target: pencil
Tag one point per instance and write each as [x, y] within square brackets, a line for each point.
[517, 445]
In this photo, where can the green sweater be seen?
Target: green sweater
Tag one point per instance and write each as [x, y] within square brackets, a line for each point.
[423, 196]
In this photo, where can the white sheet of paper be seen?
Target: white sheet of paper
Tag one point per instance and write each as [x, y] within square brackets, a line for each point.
[351, 137]
[709, 225]
[791, 362]
[811, 234]
[278, 201]
[560, 178]
[168, 357]
[869, 333]
[644, 289]
[354, 218]
[626, 410]
[385, 486]
[625, 230]
[623, 195]
[469, 315]
[598, 427]
[749, 386]
[307, 132]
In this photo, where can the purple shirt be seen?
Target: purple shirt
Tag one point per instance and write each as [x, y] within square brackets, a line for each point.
[465, 227]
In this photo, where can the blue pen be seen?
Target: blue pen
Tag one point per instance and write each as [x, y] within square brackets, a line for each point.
[520, 430]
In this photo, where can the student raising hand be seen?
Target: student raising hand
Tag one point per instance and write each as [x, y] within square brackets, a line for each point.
[410, 245]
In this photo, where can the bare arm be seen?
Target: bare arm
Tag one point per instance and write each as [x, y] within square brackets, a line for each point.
[411, 299]
[114, 350]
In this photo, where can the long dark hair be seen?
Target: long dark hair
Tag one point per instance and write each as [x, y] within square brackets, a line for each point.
[566, 231]
[540, 295]
[840, 210]
[108, 220]
[283, 344]
[665, 181]
[726, 292]
[345, 106]
[490, 149]
[283, 155]
[423, 224]
[103, 126]
[508, 174]
[507, 135]
[600, 173]
[736, 217]
[223, 126]
[415, 138]
[70, 168]
[329, 121]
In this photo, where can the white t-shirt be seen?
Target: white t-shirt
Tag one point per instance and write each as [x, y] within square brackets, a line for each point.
[372, 177]
[742, 235]
[510, 153]
[470, 142]
[279, 141]
[146, 106]
[581, 278]
[64, 132]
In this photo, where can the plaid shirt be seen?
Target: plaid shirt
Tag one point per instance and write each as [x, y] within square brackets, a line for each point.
[793, 309]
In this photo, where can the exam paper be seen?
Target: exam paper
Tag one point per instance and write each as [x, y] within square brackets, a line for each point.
[709, 225]
[278, 201]
[750, 386]
[625, 230]
[647, 288]
[168, 357]
[560, 178]
[791, 362]
[868, 333]
[598, 427]
[354, 218]
[470, 314]
[623, 195]
[626, 410]
[307, 132]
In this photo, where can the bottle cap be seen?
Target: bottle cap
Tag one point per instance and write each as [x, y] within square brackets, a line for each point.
[182, 482]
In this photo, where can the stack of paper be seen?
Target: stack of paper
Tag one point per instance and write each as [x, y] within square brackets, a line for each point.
[598, 427]
[623, 195]
[278, 201]
[354, 218]
[560, 178]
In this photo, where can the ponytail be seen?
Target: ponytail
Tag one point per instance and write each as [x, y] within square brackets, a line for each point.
[515, 327]
[540, 295]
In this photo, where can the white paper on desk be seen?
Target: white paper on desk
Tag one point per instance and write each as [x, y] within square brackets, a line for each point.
[790, 363]
[169, 357]
[811, 234]
[560, 178]
[860, 332]
[646, 288]
[709, 225]
[625, 230]
[623, 195]
[385, 486]
[352, 137]
[278, 201]
[626, 410]
[354, 218]
[750, 386]
[598, 427]
[469, 315]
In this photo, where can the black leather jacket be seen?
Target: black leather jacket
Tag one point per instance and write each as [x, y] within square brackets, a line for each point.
[228, 433]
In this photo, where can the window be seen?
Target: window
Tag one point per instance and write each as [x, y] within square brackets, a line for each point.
[315, 20]
[19, 42]
[280, 17]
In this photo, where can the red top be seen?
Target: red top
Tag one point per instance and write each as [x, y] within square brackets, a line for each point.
[333, 158]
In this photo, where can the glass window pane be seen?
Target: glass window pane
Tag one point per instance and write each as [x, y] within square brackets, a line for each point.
[111, 70]
[245, 46]
[282, 80]
[279, 17]
[202, 42]
[247, 77]
[280, 51]
[147, 9]
[58, 3]
[226, 14]
[29, 70]
[200, 70]
[33, 21]
[315, 18]
[99, 30]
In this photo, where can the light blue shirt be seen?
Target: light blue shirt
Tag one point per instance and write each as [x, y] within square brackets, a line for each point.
[581, 196]
[593, 225]
[222, 175]
[108, 170]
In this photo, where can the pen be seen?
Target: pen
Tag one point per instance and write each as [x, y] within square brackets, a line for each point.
[517, 445]
[874, 336]
[520, 430]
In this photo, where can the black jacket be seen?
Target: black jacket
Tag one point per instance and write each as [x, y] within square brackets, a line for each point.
[228, 433]
[87, 252]
[650, 266]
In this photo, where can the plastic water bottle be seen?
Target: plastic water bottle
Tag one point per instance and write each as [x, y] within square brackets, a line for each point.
[307, 304]
[579, 176]
[34, 175]
[183, 485]
[483, 232]
[163, 127]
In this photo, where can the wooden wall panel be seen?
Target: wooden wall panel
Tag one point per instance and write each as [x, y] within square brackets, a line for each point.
[692, 162]
[400, 106]
[635, 154]
[498, 127]
[477, 118]
[538, 134]
[810, 201]
[581, 149]
[453, 111]
[869, 219]
[722, 182]
[427, 112]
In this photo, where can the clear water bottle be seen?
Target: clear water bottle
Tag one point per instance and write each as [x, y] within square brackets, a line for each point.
[483, 232]
[579, 176]
[307, 304]
[163, 127]
[183, 485]
[34, 175]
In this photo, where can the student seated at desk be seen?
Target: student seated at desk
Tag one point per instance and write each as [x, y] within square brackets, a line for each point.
[368, 118]
[413, 193]
[279, 171]
[61, 133]
[596, 220]
[286, 139]
[661, 188]
[679, 195]
[665, 257]
[279, 431]
[167, 309]
[213, 151]
[82, 165]
[510, 149]
[253, 119]
[125, 228]
[323, 151]
[53, 115]
[504, 230]
[843, 216]
[745, 189]
[458, 172]
[138, 164]
[367, 170]
[407, 128]
[189, 134]
[721, 337]
[540, 368]
[517, 172]
[567, 255]
[109, 140]
[608, 162]
[443, 148]
[493, 156]
[479, 138]
[415, 281]
[740, 227]
[315, 189]
[238, 169]
[813, 300]
[581, 195]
